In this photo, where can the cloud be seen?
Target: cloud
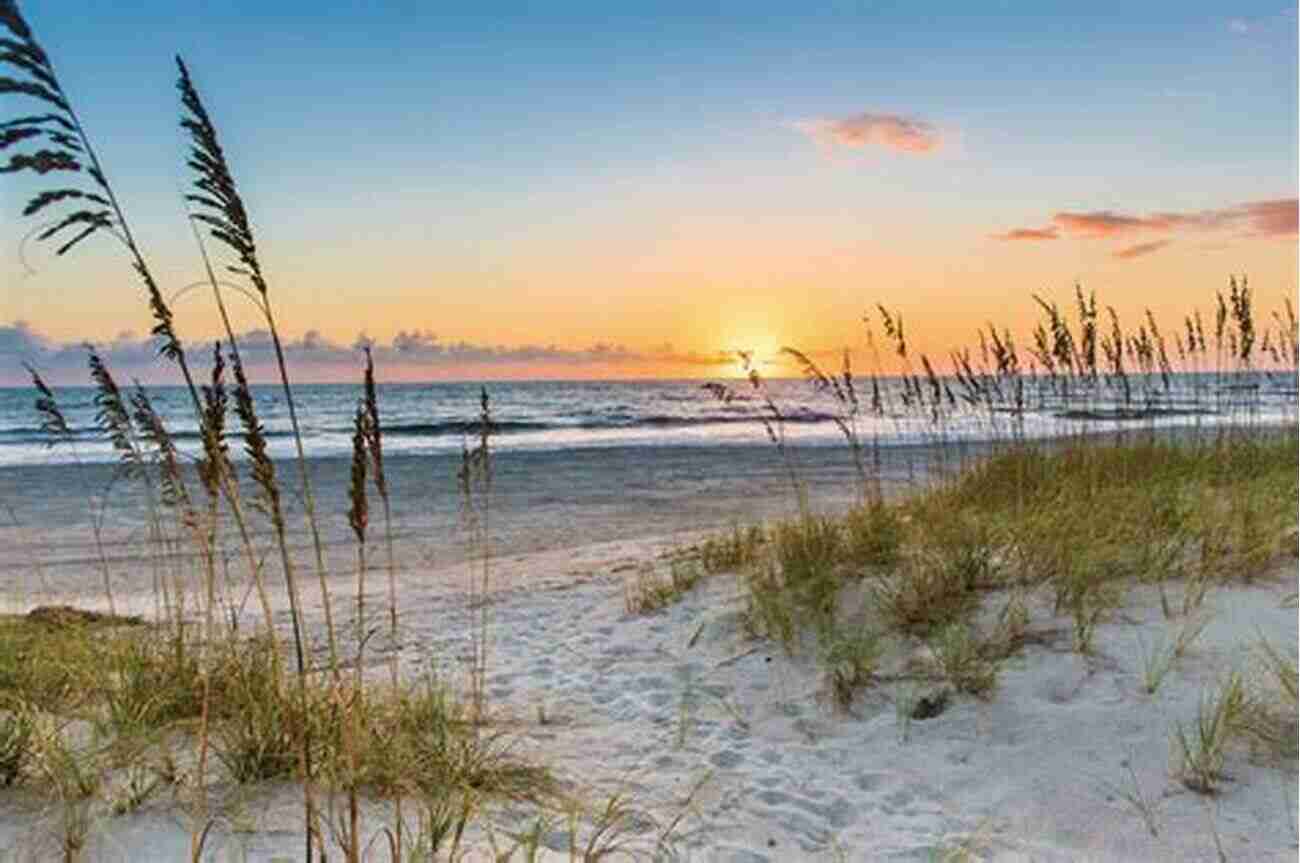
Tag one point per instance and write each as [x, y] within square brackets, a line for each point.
[315, 357]
[19, 339]
[891, 131]
[1102, 223]
[1137, 251]
[1282, 24]
[1048, 233]
[1272, 218]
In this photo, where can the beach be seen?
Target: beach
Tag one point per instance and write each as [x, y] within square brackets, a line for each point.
[539, 502]
[728, 739]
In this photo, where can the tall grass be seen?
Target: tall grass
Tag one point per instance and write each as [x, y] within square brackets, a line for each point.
[1109, 501]
[474, 481]
[258, 725]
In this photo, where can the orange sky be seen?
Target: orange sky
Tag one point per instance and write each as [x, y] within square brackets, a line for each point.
[640, 211]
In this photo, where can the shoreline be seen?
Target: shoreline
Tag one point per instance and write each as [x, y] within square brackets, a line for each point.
[541, 502]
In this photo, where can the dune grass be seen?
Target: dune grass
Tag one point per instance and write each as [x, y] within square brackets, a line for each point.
[651, 590]
[1073, 521]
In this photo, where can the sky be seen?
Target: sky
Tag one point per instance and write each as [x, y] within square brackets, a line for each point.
[574, 190]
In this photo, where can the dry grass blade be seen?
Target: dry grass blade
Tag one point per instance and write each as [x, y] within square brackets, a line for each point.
[222, 209]
[53, 422]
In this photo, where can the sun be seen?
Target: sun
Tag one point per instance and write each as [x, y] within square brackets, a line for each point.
[760, 345]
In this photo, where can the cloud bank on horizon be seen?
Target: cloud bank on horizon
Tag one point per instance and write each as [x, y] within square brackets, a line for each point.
[129, 355]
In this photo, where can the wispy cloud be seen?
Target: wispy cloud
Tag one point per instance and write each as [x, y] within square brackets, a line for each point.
[1271, 218]
[1283, 23]
[1261, 218]
[1101, 223]
[890, 131]
[1048, 233]
[1140, 249]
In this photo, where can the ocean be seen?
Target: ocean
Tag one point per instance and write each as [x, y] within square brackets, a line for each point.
[556, 417]
[574, 463]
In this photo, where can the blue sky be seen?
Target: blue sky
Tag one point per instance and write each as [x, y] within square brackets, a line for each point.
[475, 171]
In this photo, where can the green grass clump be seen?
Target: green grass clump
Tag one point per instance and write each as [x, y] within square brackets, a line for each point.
[56, 661]
[260, 720]
[1271, 723]
[964, 661]
[156, 680]
[1220, 721]
[770, 612]
[873, 535]
[419, 739]
[16, 731]
[739, 548]
[799, 582]
[927, 591]
[650, 590]
[851, 658]
[1161, 658]
[808, 551]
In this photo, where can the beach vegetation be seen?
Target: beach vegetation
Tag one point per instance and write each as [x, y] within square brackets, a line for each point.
[965, 661]
[1146, 805]
[1081, 519]
[650, 590]
[873, 535]
[1271, 719]
[733, 550]
[1163, 655]
[851, 659]
[1200, 750]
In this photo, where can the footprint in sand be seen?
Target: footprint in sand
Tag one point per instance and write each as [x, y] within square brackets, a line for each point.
[870, 781]
[727, 759]
[660, 699]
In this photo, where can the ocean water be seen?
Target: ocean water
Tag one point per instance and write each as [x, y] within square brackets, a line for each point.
[575, 463]
[438, 418]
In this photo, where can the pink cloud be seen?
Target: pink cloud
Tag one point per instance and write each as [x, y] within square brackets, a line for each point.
[891, 131]
[1274, 218]
[1048, 233]
[1141, 249]
[1102, 223]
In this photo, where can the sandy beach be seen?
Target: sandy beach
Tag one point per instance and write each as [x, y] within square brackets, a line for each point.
[728, 739]
[540, 502]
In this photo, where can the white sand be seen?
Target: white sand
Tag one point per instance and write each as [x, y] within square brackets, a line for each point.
[676, 702]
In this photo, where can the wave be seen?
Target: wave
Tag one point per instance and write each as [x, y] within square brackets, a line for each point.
[1132, 414]
[456, 427]
[614, 421]
[618, 420]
